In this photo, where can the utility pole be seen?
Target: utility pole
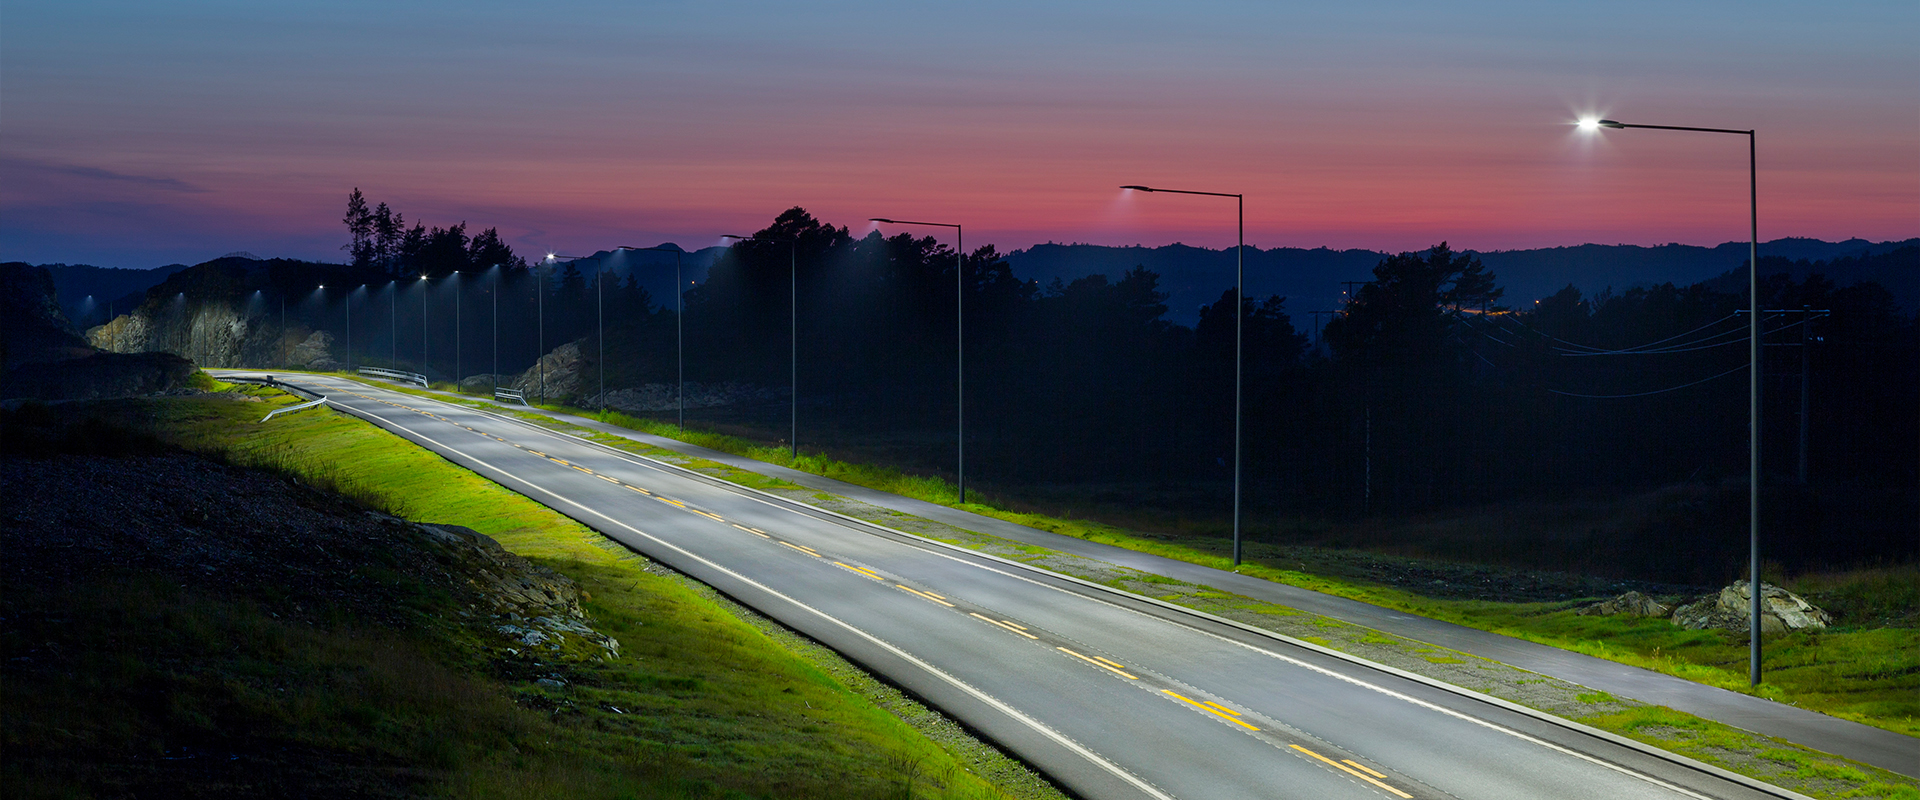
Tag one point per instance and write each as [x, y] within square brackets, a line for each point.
[1316, 324]
[1806, 324]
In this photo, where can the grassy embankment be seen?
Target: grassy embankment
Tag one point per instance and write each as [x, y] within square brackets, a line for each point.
[1866, 668]
[711, 700]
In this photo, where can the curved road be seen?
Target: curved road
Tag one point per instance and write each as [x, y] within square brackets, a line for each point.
[1112, 695]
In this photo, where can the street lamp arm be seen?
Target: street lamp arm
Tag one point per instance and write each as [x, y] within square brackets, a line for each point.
[1607, 123]
[911, 222]
[1182, 191]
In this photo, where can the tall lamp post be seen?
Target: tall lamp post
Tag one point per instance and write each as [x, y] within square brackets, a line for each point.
[424, 286]
[1239, 322]
[456, 328]
[599, 317]
[959, 343]
[1753, 374]
[679, 324]
[793, 336]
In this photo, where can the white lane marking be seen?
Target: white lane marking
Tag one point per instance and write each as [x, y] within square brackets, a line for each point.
[1058, 738]
[1355, 681]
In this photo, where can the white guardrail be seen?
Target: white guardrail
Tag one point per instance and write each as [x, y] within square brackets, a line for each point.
[318, 398]
[410, 377]
[306, 405]
[513, 395]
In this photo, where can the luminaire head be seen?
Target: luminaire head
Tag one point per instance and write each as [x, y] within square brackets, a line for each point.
[1596, 124]
[1140, 188]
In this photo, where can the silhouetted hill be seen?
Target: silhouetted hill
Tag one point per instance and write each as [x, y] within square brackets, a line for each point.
[86, 293]
[1310, 279]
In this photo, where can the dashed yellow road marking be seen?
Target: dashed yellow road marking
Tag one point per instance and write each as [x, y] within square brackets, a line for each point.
[1098, 663]
[807, 550]
[581, 468]
[862, 570]
[607, 479]
[931, 594]
[711, 516]
[1209, 708]
[1220, 708]
[670, 501]
[1354, 772]
[927, 595]
[1003, 625]
[1362, 767]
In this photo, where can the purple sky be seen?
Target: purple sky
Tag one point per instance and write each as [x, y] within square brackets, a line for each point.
[137, 134]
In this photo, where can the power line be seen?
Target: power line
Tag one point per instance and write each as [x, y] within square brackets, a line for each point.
[1644, 394]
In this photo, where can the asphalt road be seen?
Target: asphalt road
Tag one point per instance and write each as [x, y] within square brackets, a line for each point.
[1876, 746]
[1111, 695]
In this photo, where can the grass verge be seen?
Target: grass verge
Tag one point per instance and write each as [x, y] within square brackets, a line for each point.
[700, 703]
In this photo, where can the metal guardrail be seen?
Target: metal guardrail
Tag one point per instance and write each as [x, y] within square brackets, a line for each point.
[318, 398]
[410, 377]
[511, 394]
[297, 407]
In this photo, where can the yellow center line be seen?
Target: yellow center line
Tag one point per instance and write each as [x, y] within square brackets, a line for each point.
[1351, 771]
[1003, 625]
[538, 453]
[559, 461]
[1014, 624]
[860, 570]
[801, 549]
[931, 594]
[1121, 673]
[671, 502]
[1204, 707]
[757, 530]
[581, 468]
[1362, 767]
[742, 529]
[714, 517]
[1220, 708]
[928, 595]
[1110, 662]
[607, 479]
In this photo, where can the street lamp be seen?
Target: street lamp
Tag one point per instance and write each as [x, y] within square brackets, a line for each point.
[679, 324]
[424, 286]
[1239, 318]
[959, 342]
[599, 316]
[793, 335]
[1753, 375]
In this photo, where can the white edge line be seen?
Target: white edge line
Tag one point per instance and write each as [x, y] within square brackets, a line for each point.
[1613, 738]
[1058, 738]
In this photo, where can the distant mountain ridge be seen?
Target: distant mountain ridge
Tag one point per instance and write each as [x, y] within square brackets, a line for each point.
[1311, 279]
[115, 288]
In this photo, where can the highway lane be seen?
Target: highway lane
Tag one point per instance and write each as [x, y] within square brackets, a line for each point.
[1113, 696]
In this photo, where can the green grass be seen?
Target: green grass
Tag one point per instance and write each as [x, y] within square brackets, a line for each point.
[1869, 675]
[707, 695]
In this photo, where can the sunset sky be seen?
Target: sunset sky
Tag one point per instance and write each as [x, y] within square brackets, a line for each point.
[135, 134]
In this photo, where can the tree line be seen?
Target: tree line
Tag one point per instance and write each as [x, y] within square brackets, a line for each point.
[1424, 391]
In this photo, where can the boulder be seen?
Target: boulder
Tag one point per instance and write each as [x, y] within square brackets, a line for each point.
[558, 374]
[1780, 610]
[317, 347]
[1630, 604]
[485, 382]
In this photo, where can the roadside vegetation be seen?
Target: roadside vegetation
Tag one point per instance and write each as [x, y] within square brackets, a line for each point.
[705, 700]
[1865, 668]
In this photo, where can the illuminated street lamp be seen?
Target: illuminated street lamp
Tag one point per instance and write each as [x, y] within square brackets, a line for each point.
[959, 343]
[793, 335]
[600, 319]
[679, 323]
[1753, 373]
[1239, 318]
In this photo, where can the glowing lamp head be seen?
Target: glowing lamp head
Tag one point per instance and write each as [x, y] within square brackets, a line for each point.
[1138, 188]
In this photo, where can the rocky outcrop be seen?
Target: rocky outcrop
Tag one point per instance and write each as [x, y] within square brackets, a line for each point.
[317, 347]
[1629, 604]
[665, 396]
[565, 372]
[539, 609]
[1780, 610]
